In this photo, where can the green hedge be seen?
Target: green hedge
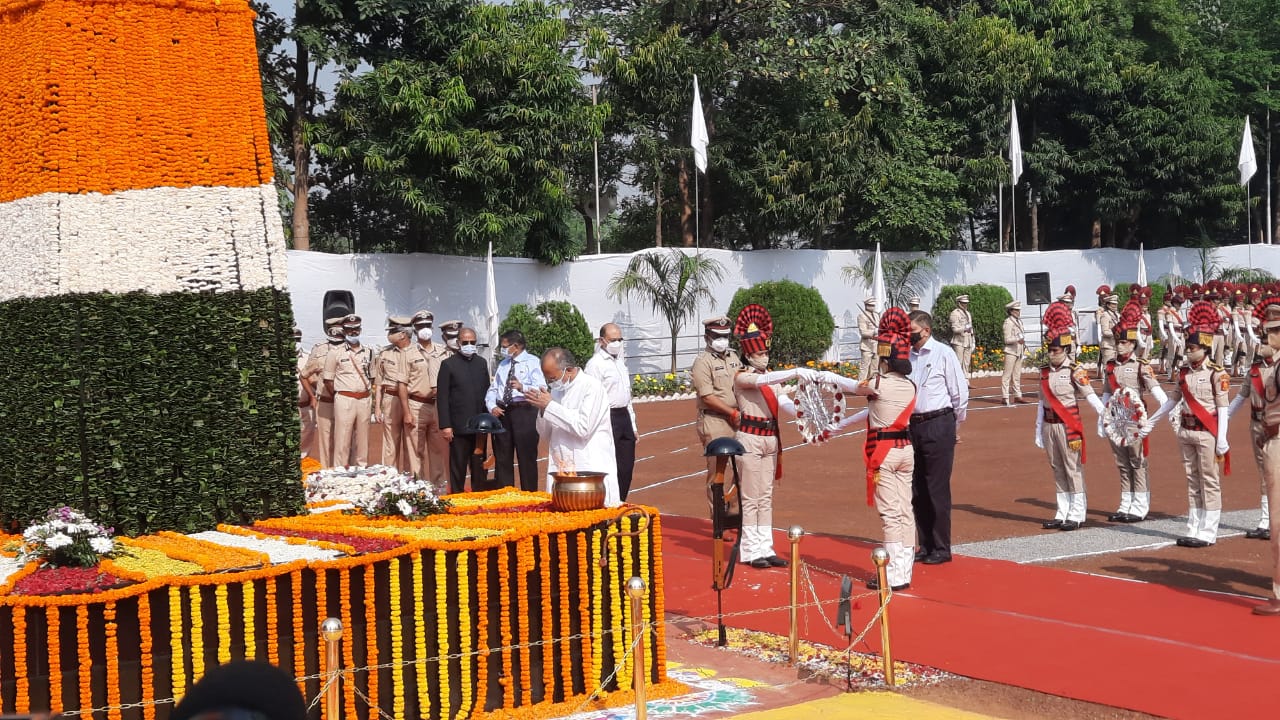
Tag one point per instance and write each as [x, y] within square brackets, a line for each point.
[986, 304]
[802, 322]
[554, 323]
[150, 412]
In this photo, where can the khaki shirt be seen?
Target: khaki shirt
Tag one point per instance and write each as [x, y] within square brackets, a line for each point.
[1132, 373]
[390, 367]
[893, 393]
[349, 368]
[424, 368]
[1170, 321]
[1069, 383]
[1266, 405]
[868, 328]
[1106, 328]
[961, 328]
[713, 374]
[1210, 386]
[313, 370]
[1014, 343]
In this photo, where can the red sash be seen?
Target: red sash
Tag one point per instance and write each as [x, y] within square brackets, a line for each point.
[875, 451]
[771, 400]
[1070, 416]
[1206, 418]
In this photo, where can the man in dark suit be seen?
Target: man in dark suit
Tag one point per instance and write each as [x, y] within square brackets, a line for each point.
[460, 389]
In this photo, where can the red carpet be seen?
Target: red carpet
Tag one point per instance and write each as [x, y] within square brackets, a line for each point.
[1155, 649]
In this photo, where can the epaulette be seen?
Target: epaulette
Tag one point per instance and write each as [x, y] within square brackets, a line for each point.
[1215, 367]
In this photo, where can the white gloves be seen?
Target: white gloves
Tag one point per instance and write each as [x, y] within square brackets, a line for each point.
[1095, 403]
[844, 383]
[1165, 407]
[853, 419]
[808, 374]
[1102, 431]
[1157, 392]
[786, 404]
[775, 376]
[1147, 425]
[1223, 415]
[1236, 404]
[1040, 426]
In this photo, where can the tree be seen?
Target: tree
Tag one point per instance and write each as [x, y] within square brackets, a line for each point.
[671, 282]
[903, 278]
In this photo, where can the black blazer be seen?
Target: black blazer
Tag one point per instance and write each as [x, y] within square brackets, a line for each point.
[460, 389]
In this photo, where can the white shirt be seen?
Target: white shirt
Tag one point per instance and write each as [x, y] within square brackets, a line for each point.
[612, 373]
[577, 426]
[939, 379]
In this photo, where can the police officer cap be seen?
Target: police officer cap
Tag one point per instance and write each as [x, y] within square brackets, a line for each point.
[333, 331]
[719, 325]
[724, 446]
[423, 317]
[915, 301]
[962, 298]
[451, 329]
[351, 321]
[297, 333]
[870, 302]
[333, 322]
[1110, 299]
[484, 423]
[396, 323]
[1066, 298]
[1015, 305]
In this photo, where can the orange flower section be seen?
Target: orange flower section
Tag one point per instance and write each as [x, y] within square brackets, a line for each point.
[129, 95]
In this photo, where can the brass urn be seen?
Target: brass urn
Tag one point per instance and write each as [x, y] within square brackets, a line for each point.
[577, 491]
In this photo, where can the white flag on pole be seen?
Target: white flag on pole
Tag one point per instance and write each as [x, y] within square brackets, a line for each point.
[1142, 267]
[491, 304]
[1248, 163]
[698, 134]
[877, 283]
[1015, 145]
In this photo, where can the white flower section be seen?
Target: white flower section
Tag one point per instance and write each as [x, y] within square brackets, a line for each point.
[278, 550]
[159, 240]
[9, 566]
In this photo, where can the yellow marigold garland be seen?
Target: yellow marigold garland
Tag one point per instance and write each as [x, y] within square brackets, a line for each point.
[145, 646]
[222, 616]
[566, 617]
[197, 633]
[142, 563]
[442, 631]
[659, 601]
[548, 647]
[22, 706]
[397, 641]
[372, 677]
[53, 623]
[84, 672]
[625, 618]
[113, 661]
[248, 600]
[177, 647]
[464, 632]
[420, 638]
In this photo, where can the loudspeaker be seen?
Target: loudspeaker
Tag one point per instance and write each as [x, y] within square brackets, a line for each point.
[1038, 289]
[338, 303]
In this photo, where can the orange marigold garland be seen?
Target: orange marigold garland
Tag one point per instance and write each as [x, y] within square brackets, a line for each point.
[53, 626]
[147, 672]
[656, 591]
[642, 550]
[420, 639]
[482, 629]
[524, 562]
[113, 661]
[442, 630]
[464, 631]
[273, 622]
[548, 647]
[504, 628]
[585, 600]
[371, 637]
[623, 624]
[566, 617]
[22, 704]
[177, 646]
[397, 641]
[348, 639]
[83, 657]
[249, 620]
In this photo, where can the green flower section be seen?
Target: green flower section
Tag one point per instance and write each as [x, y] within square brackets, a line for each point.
[150, 412]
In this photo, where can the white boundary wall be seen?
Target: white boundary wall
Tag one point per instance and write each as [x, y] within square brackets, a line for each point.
[453, 287]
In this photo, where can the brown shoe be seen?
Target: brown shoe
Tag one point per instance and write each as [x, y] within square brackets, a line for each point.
[1269, 608]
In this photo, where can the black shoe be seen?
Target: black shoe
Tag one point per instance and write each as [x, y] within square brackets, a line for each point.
[936, 558]
[1128, 518]
[875, 585]
[1068, 525]
[1190, 542]
[1052, 525]
[775, 561]
[760, 564]
[921, 555]
[1118, 517]
[1258, 534]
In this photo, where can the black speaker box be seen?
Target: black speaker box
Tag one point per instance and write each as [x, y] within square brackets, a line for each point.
[1038, 289]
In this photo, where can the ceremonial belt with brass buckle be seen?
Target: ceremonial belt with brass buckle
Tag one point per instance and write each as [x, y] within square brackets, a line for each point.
[1191, 422]
[753, 425]
[422, 398]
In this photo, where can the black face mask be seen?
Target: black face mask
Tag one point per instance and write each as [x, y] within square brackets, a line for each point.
[916, 337]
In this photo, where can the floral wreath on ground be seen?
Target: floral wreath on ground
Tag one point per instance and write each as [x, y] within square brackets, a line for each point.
[376, 491]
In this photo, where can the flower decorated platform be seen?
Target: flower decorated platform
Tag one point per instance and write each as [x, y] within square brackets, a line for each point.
[499, 606]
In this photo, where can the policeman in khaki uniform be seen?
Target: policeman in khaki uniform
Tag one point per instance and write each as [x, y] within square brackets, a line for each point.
[1127, 370]
[306, 400]
[313, 374]
[347, 374]
[449, 333]
[1253, 392]
[1201, 405]
[1015, 348]
[1266, 436]
[962, 340]
[1059, 427]
[427, 447]
[1108, 316]
[391, 403]
[712, 375]
[868, 327]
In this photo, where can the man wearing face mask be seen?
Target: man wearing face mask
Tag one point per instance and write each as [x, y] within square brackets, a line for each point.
[460, 390]
[427, 449]
[506, 399]
[347, 374]
[712, 377]
[574, 417]
[1253, 392]
[1127, 370]
[609, 367]
[449, 333]
[1266, 433]
[391, 401]
[1200, 421]
[313, 374]
[1059, 426]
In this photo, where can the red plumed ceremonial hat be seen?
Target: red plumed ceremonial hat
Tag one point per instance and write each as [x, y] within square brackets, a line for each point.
[1071, 290]
[1130, 317]
[1202, 322]
[893, 337]
[754, 329]
[1058, 315]
[1267, 307]
[1103, 290]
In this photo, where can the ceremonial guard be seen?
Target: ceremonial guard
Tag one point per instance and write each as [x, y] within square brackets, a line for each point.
[1170, 319]
[306, 400]
[890, 458]
[1146, 334]
[1108, 316]
[347, 374]
[391, 402]
[962, 338]
[1015, 349]
[868, 326]
[1266, 435]
[1129, 444]
[1200, 411]
[313, 373]
[758, 427]
[1253, 393]
[426, 445]
[1059, 427]
[712, 376]
[1221, 336]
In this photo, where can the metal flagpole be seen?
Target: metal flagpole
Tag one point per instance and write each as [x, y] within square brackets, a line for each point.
[1270, 218]
[697, 212]
[1248, 223]
[595, 151]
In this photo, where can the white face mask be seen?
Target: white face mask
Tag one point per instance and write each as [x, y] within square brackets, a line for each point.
[1056, 356]
[759, 362]
[1266, 351]
[353, 339]
[469, 349]
[1273, 341]
[452, 343]
[1124, 349]
[511, 351]
[720, 344]
[1196, 356]
[614, 348]
[563, 382]
[424, 334]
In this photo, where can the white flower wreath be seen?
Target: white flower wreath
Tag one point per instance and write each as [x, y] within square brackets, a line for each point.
[1124, 416]
[820, 406]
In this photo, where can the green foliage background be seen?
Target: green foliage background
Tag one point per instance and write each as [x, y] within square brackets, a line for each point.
[554, 323]
[986, 304]
[802, 323]
[150, 412]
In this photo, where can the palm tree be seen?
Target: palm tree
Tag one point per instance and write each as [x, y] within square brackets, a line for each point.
[671, 282]
[903, 279]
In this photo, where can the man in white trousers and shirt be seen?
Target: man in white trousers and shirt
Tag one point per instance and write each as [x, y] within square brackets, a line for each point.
[573, 414]
[609, 366]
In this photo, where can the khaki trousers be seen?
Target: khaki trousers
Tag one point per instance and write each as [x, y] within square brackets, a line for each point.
[1200, 461]
[1219, 348]
[711, 427]
[428, 450]
[1068, 475]
[1132, 466]
[867, 366]
[324, 433]
[1270, 453]
[1011, 380]
[307, 440]
[966, 357]
[393, 452]
[893, 496]
[351, 417]
[756, 471]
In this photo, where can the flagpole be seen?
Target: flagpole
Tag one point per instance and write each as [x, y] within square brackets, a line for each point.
[1000, 219]
[697, 213]
[1270, 220]
[595, 151]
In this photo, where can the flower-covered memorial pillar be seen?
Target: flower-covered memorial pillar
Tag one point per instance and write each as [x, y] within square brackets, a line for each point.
[149, 378]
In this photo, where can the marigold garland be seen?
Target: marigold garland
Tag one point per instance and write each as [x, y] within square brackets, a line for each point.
[248, 601]
[397, 641]
[197, 632]
[597, 610]
[565, 629]
[222, 620]
[273, 623]
[84, 672]
[142, 563]
[22, 704]
[348, 640]
[482, 629]
[464, 632]
[372, 677]
[642, 550]
[53, 626]
[524, 564]
[147, 670]
[656, 592]
[442, 631]
[585, 612]
[177, 647]
[420, 638]
[625, 615]
[504, 629]
[548, 647]
[113, 661]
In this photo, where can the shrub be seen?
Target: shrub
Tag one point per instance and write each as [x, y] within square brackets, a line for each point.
[986, 304]
[554, 323]
[802, 322]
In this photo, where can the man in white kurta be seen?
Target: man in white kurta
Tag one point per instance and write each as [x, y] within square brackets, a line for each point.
[574, 417]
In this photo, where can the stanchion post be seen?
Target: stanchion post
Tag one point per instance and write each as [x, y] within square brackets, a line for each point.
[880, 557]
[637, 591]
[331, 632]
[794, 533]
